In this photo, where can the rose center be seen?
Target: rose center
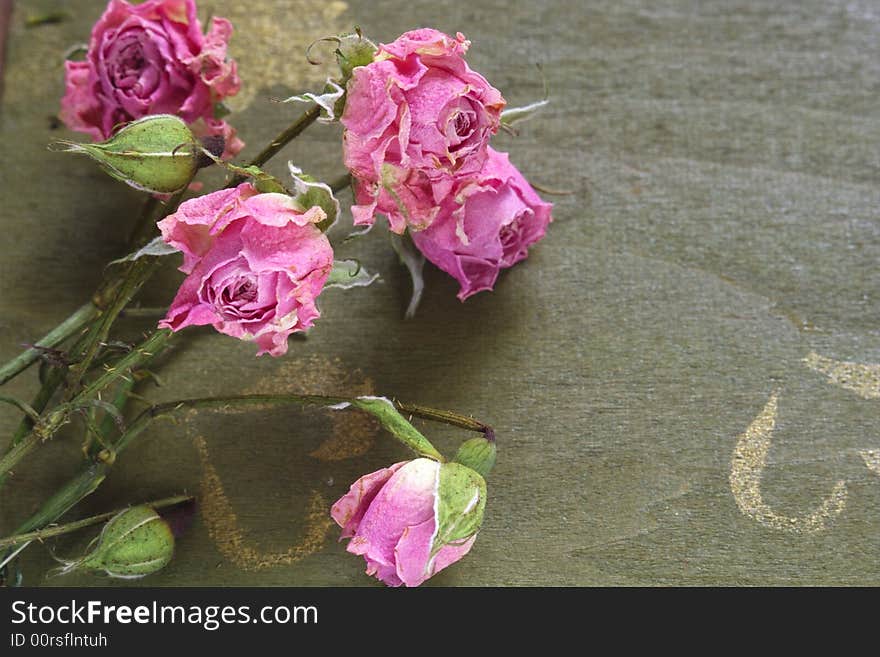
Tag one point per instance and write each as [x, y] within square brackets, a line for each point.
[129, 64]
[236, 298]
[509, 235]
[243, 290]
[463, 125]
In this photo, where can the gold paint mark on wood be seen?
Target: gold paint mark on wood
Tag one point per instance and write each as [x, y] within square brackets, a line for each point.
[224, 530]
[352, 433]
[871, 457]
[860, 378]
[747, 469]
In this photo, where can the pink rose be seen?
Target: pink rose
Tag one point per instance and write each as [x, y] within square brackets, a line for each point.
[255, 265]
[486, 224]
[149, 58]
[414, 118]
[393, 518]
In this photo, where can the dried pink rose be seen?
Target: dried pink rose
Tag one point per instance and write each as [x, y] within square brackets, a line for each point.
[255, 265]
[150, 58]
[415, 118]
[413, 519]
[487, 224]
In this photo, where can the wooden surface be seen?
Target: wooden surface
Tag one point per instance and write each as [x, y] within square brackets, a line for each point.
[684, 376]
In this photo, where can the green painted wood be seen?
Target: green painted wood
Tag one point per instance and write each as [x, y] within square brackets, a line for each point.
[715, 265]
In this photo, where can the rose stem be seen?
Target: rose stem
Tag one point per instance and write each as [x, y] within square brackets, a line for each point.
[91, 476]
[289, 134]
[144, 312]
[145, 225]
[80, 317]
[447, 417]
[50, 424]
[138, 273]
[51, 532]
[343, 182]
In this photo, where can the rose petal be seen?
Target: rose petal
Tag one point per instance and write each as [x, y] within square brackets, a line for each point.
[350, 508]
[407, 499]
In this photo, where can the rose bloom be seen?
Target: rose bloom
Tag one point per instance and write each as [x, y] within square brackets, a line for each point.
[391, 517]
[151, 58]
[255, 265]
[415, 118]
[486, 225]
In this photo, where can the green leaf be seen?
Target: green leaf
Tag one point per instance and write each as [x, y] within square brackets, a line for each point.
[156, 247]
[348, 274]
[510, 117]
[329, 101]
[311, 193]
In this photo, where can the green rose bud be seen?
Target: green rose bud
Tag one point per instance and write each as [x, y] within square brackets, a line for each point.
[134, 543]
[354, 50]
[478, 454]
[157, 154]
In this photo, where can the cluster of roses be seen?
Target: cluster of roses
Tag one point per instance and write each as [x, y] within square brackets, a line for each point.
[417, 125]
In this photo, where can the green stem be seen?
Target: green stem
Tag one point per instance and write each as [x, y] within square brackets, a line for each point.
[108, 424]
[448, 417]
[50, 424]
[289, 134]
[83, 484]
[341, 183]
[70, 326]
[154, 343]
[144, 312]
[51, 532]
[55, 377]
[25, 408]
[145, 224]
[137, 274]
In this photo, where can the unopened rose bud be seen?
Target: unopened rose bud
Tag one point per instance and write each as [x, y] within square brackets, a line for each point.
[134, 543]
[413, 519]
[478, 454]
[354, 50]
[157, 154]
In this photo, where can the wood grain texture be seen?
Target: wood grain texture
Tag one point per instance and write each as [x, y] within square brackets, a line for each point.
[722, 240]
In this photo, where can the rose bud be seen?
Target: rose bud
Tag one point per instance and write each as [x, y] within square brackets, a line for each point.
[415, 118]
[478, 454]
[152, 58]
[413, 519]
[486, 225]
[353, 50]
[156, 154]
[255, 264]
[134, 543]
